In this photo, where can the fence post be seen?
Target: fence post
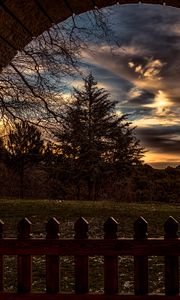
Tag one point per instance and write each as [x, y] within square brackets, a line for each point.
[52, 261]
[24, 261]
[81, 262]
[140, 262]
[171, 262]
[110, 262]
[1, 260]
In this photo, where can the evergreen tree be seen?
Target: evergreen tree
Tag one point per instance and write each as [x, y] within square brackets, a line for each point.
[126, 150]
[24, 148]
[93, 137]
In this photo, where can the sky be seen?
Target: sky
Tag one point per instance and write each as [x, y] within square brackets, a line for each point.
[140, 67]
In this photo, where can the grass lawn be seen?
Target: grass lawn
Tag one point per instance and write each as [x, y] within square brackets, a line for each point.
[96, 213]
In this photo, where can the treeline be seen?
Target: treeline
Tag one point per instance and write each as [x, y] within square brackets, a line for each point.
[93, 154]
[148, 184]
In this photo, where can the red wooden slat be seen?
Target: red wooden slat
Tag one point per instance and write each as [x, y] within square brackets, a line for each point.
[1, 260]
[52, 261]
[171, 262]
[81, 262]
[140, 262]
[110, 262]
[24, 261]
[66, 296]
[38, 296]
[90, 247]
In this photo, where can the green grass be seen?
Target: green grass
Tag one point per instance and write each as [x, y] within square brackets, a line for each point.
[96, 213]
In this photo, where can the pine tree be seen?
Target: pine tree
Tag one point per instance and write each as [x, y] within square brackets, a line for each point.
[93, 137]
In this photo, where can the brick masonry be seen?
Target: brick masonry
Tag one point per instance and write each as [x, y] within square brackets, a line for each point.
[21, 20]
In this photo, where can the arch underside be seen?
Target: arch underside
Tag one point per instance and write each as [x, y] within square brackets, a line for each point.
[22, 20]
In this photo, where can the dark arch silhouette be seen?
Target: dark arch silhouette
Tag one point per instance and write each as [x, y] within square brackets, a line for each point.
[21, 20]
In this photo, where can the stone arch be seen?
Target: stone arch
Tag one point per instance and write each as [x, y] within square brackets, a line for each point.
[21, 20]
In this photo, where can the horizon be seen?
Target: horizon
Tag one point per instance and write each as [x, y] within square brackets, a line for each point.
[163, 165]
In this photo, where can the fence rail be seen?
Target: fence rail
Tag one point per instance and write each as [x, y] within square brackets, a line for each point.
[53, 247]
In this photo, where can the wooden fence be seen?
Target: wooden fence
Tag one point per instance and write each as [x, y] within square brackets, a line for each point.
[140, 247]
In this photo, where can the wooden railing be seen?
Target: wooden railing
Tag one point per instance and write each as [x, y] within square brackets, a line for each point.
[140, 247]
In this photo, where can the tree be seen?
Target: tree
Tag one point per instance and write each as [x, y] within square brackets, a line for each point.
[24, 149]
[126, 150]
[31, 86]
[57, 169]
[94, 137]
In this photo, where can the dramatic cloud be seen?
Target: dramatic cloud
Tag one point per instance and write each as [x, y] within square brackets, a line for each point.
[164, 139]
[150, 69]
[140, 68]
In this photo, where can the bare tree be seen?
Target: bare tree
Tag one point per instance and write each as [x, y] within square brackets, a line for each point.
[31, 86]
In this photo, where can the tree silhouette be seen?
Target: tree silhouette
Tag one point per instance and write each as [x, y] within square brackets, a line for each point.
[38, 71]
[94, 137]
[24, 149]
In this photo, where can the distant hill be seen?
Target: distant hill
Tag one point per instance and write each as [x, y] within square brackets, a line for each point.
[164, 165]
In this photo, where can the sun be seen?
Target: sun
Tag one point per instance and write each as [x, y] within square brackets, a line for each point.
[161, 103]
[161, 100]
